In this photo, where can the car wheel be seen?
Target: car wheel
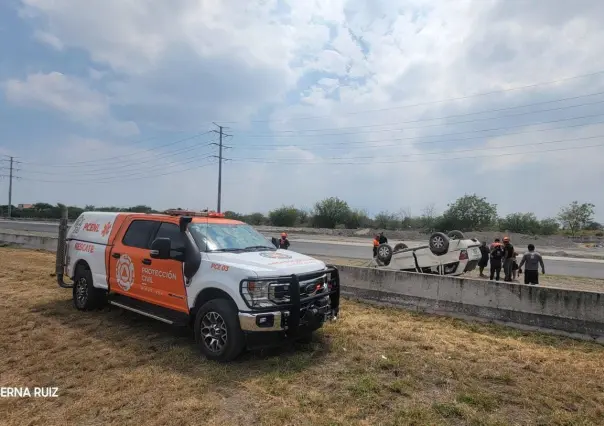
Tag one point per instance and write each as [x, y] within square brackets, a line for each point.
[85, 296]
[384, 253]
[439, 243]
[400, 246]
[457, 235]
[217, 331]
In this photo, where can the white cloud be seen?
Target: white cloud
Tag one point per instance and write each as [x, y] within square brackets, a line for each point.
[70, 96]
[186, 62]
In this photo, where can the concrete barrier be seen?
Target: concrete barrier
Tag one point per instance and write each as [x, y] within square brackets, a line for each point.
[28, 240]
[575, 313]
[568, 312]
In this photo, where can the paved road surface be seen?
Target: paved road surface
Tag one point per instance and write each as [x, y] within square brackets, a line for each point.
[588, 268]
[553, 265]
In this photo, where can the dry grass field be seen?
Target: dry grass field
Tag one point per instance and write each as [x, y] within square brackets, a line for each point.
[375, 366]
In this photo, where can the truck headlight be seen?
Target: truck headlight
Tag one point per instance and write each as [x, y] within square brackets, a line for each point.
[264, 294]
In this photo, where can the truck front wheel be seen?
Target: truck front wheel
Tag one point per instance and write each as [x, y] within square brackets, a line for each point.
[217, 331]
[85, 296]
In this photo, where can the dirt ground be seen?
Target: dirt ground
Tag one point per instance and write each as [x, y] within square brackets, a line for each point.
[374, 366]
[557, 281]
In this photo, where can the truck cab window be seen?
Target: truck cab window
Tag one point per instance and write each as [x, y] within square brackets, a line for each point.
[172, 231]
[139, 234]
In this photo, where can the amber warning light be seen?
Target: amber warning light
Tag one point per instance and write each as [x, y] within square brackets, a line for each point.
[192, 213]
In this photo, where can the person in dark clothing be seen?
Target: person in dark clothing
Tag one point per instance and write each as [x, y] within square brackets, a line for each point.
[508, 259]
[484, 260]
[496, 259]
[382, 239]
[532, 259]
[284, 242]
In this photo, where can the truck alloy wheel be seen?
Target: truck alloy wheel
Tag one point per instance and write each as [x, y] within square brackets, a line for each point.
[439, 243]
[81, 292]
[85, 296]
[214, 332]
[456, 235]
[217, 330]
[384, 253]
[400, 246]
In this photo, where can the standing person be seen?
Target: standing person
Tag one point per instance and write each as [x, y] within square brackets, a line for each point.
[376, 243]
[508, 259]
[382, 239]
[484, 260]
[496, 257]
[284, 242]
[531, 271]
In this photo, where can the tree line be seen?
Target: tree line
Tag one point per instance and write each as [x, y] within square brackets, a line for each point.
[467, 213]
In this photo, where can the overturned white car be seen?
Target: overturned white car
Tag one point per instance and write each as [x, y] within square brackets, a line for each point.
[450, 254]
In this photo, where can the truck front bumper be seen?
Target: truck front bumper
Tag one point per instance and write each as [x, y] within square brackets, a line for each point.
[306, 314]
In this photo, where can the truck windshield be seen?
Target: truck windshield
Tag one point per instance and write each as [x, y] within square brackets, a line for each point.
[228, 237]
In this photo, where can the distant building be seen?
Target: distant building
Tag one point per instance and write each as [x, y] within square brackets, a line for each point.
[25, 206]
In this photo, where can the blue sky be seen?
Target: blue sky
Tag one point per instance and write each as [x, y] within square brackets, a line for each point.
[108, 102]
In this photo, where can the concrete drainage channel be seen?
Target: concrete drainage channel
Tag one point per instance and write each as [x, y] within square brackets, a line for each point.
[577, 314]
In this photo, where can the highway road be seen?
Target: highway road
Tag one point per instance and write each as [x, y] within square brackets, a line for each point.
[589, 268]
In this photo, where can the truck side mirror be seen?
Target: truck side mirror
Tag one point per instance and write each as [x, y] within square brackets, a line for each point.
[275, 242]
[160, 248]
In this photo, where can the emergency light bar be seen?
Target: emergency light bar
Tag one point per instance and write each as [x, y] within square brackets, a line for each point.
[192, 213]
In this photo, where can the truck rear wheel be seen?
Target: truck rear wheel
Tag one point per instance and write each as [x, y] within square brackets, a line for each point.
[439, 243]
[217, 331]
[384, 253]
[86, 297]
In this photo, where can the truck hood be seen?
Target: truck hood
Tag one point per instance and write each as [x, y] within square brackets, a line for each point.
[280, 262]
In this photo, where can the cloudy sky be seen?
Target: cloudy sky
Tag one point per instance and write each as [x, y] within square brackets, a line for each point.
[388, 104]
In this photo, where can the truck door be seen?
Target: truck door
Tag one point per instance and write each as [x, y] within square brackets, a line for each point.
[128, 256]
[165, 276]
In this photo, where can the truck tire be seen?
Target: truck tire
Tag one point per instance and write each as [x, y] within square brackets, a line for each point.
[86, 297]
[439, 243]
[400, 246]
[217, 331]
[456, 235]
[384, 253]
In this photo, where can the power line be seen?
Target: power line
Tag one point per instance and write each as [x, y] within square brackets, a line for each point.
[423, 127]
[447, 116]
[492, 92]
[369, 157]
[79, 163]
[119, 179]
[106, 170]
[434, 159]
[369, 143]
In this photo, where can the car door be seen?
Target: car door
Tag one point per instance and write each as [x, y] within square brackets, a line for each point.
[165, 276]
[128, 257]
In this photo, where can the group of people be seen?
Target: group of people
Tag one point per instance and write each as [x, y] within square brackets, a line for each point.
[502, 255]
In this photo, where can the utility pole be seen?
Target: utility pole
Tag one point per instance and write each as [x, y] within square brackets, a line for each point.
[10, 189]
[11, 175]
[221, 135]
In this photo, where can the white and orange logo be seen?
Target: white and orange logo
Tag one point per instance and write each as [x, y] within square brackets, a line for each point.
[124, 272]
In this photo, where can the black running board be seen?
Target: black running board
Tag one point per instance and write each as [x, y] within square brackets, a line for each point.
[165, 315]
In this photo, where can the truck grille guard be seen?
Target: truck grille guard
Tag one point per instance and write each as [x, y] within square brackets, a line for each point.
[297, 303]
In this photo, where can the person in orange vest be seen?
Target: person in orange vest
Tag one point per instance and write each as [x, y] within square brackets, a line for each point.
[284, 242]
[376, 243]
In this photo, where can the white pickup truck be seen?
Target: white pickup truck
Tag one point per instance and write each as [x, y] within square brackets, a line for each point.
[221, 277]
[451, 254]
